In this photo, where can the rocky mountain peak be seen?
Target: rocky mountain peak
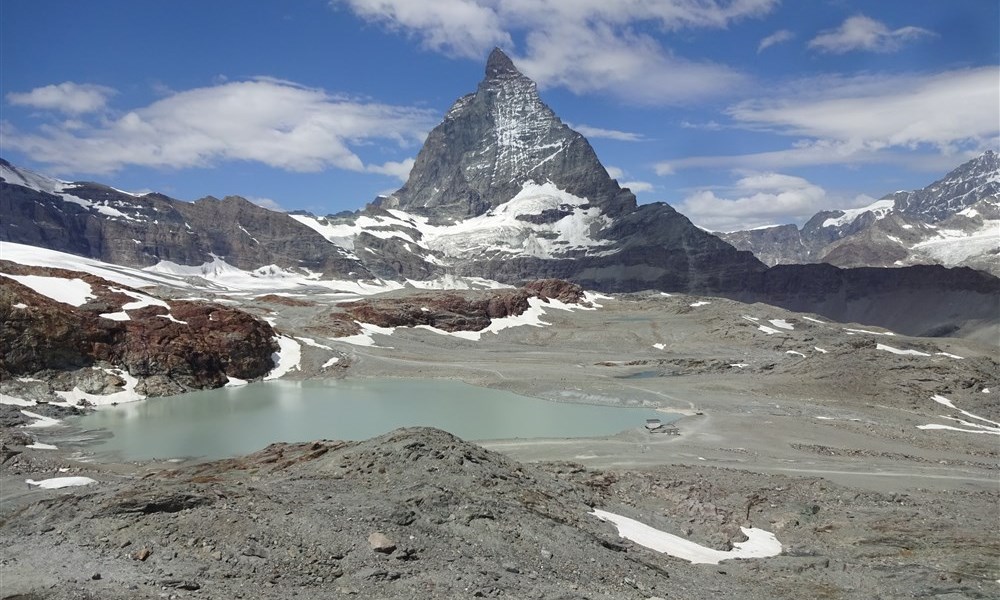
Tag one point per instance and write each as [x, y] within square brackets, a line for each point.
[500, 65]
[492, 143]
[967, 184]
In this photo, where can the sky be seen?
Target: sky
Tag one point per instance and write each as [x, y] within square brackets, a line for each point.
[738, 113]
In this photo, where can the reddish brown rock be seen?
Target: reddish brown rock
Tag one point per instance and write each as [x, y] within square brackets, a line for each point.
[192, 345]
[458, 311]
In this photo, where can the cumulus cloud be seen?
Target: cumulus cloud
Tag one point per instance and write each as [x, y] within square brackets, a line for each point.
[67, 97]
[267, 203]
[864, 33]
[638, 187]
[399, 169]
[585, 46]
[272, 122]
[608, 134]
[615, 172]
[778, 37]
[755, 200]
[454, 27]
[838, 120]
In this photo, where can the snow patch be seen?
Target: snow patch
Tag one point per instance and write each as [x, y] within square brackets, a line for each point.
[40, 420]
[898, 351]
[56, 483]
[987, 426]
[127, 394]
[880, 209]
[286, 359]
[782, 324]
[659, 346]
[75, 292]
[140, 300]
[795, 353]
[853, 331]
[41, 446]
[700, 303]
[330, 362]
[13, 401]
[768, 330]
[760, 543]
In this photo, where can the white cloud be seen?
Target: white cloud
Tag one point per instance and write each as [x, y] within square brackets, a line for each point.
[67, 97]
[638, 187]
[267, 203]
[864, 33]
[272, 122]
[585, 45]
[837, 120]
[400, 169]
[609, 134]
[778, 37]
[755, 200]
[615, 172]
[454, 27]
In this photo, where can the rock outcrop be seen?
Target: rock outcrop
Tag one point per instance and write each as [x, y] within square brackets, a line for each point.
[491, 143]
[458, 311]
[169, 347]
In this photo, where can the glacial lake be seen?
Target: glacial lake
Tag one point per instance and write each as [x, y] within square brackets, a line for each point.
[232, 421]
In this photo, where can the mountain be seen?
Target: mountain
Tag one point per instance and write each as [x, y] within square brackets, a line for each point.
[502, 192]
[97, 221]
[954, 221]
[503, 189]
[495, 141]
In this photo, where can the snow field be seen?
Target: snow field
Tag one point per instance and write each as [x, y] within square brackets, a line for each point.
[760, 543]
[56, 483]
[987, 426]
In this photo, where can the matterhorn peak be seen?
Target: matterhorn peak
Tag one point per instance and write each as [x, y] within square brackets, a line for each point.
[495, 141]
[500, 65]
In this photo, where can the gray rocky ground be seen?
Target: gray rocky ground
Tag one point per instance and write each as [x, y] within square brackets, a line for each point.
[821, 448]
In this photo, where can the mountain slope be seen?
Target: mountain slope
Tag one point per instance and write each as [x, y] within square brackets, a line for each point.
[494, 141]
[504, 192]
[954, 221]
[503, 189]
[96, 221]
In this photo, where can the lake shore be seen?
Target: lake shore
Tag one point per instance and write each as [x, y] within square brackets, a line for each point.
[824, 450]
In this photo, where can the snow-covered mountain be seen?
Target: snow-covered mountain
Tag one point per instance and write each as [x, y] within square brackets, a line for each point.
[953, 222]
[503, 192]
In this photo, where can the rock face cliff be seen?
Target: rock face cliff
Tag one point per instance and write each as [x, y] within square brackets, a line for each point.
[954, 221]
[120, 332]
[96, 221]
[503, 189]
[491, 143]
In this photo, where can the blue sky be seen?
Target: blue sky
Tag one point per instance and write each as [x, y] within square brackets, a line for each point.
[739, 113]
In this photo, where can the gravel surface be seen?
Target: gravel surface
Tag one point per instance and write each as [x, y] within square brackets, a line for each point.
[823, 450]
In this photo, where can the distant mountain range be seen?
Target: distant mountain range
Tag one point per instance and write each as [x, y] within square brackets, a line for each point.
[502, 191]
[954, 221]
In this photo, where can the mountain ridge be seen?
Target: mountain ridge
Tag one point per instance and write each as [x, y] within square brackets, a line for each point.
[501, 193]
[954, 221]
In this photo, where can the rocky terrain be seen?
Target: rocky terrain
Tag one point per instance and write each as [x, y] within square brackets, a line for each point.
[802, 427]
[459, 311]
[104, 338]
[420, 513]
[954, 221]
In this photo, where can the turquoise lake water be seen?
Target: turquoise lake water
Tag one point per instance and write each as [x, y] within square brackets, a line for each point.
[232, 421]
